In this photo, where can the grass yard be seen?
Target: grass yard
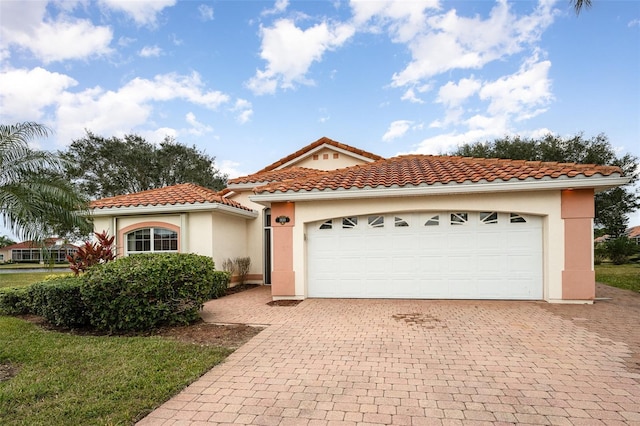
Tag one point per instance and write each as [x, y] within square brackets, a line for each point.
[20, 279]
[66, 379]
[621, 276]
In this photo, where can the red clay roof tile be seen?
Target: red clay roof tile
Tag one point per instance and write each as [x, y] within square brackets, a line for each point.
[275, 175]
[414, 170]
[186, 193]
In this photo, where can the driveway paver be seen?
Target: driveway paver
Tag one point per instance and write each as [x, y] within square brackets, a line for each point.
[410, 362]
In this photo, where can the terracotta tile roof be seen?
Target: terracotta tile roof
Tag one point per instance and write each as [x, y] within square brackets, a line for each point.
[633, 232]
[414, 170]
[186, 193]
[319, 142]
[275, 175]
[49, 242]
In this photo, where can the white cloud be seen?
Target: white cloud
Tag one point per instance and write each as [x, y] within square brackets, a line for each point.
[397, 129]
[25, 93]
[125, 41]
[279, 7]
[520, 94]
[150, 51]
[143, 12]
[231, 168]
[244, 110]
[290, 51]
[452, 94]
[206, 12]
[26, 25]
[45, 96]
[404, 19]
[634, 23]
[449, 41]
[197, 128]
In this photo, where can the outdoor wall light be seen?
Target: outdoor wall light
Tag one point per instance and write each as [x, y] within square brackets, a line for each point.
[283, 219]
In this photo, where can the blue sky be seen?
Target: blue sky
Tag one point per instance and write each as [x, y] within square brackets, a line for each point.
[252, 81]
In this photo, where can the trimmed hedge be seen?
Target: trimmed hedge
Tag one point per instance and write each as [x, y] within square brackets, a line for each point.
[148, 290]
[59, 301]
[15, 301]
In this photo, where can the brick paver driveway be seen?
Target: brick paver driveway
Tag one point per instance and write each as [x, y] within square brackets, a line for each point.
[416, 362]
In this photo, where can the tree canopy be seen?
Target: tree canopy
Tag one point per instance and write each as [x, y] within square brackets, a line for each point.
[105, 167]
[612, 206]
[36, 201]
[5, 241]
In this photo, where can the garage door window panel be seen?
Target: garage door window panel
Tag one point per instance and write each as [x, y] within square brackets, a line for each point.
[400, 222]
[349, 222]
[327, 224]
[433, 221]
[489, 218]
[459, 218]
[376, 221]
[516, 218]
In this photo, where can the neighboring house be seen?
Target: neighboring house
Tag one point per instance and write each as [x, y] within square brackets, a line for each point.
[331, 220]
[634, 234]
[52, 249]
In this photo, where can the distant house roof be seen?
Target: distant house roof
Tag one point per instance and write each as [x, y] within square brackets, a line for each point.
[322, 141]
[425, 170]
[182, 194]
[633, 232]
[48, 243]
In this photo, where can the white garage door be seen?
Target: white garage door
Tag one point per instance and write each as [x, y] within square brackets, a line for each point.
[435, 255]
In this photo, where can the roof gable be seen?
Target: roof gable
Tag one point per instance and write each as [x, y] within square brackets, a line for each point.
[182, 194]
[315, 147]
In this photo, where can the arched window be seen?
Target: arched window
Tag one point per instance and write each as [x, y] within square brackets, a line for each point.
[151, 240]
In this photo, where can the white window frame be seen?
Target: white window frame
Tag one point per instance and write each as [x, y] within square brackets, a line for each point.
[152, 249]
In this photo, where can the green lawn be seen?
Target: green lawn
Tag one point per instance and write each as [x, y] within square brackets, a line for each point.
[621, 276]
[66, 379]
[20, 279]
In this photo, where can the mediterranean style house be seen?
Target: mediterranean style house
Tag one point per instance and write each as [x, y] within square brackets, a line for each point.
[331, 220]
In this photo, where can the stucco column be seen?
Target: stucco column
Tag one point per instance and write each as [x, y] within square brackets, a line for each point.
[283, 275]
[578, 276]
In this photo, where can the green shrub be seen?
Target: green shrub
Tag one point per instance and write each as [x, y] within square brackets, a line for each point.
[221, 280]
[59, 301]
[144, 291]
[15, 301]
[620, 249]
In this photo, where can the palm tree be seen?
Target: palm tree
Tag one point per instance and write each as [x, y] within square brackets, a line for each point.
[35, 200]
[578, 5]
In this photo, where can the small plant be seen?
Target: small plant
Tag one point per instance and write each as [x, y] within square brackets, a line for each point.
[90, 254]
[242, 266]
[227, 266]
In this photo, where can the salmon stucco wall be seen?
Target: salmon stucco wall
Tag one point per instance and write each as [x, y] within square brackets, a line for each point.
[283, 283]
[578, 275]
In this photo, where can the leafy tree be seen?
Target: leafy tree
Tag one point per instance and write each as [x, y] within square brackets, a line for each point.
[104, 167]
[5, 241]
[36, 201]
[612, 206]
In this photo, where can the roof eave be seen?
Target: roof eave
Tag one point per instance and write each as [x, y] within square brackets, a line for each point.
[172, 208]
[597, 183]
